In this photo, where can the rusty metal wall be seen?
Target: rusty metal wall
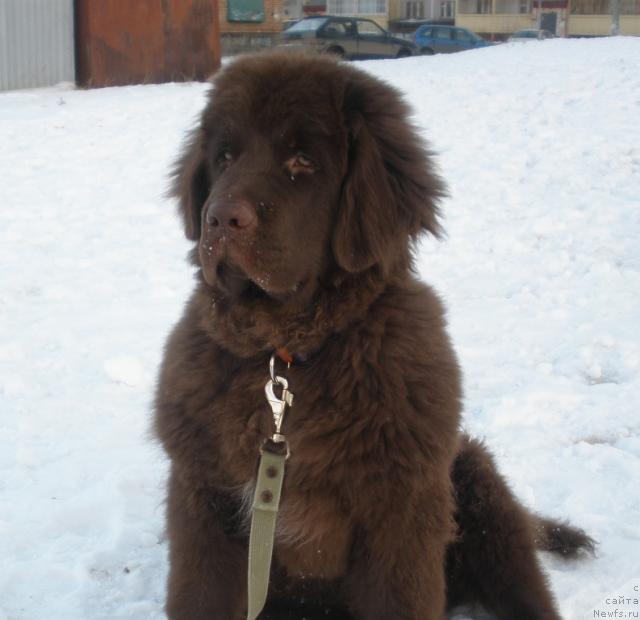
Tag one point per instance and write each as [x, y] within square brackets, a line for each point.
[146, 41]
[36, 43]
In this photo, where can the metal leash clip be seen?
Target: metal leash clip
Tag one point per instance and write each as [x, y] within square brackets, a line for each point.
[278, 404]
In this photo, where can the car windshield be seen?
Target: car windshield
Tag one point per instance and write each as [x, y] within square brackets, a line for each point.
[308, 25]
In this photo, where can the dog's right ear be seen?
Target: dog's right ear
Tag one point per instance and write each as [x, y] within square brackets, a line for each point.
[191, 183]
[391, 191]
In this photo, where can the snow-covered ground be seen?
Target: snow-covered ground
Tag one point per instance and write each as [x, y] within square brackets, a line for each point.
[540, 144]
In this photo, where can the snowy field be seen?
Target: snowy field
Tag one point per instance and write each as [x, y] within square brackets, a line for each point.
[540, 144]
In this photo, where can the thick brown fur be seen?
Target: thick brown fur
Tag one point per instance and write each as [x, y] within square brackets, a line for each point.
[303, 188]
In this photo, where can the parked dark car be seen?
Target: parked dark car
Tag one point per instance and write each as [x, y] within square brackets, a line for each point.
[531, 35]
[445, 39]
[349, 37]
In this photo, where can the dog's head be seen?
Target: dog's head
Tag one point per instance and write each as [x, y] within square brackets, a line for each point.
[303, 172]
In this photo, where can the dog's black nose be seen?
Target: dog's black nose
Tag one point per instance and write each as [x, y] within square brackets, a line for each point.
[234, 215]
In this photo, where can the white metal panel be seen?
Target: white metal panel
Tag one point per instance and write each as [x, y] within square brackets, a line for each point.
[36, 43]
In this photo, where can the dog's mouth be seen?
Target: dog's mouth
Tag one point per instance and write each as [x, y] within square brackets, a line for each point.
[233, 274]
[235, 283]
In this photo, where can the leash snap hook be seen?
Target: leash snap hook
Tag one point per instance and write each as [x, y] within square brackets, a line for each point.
[278, 404]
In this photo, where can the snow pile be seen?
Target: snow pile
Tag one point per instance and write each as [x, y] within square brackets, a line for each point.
[540, 145]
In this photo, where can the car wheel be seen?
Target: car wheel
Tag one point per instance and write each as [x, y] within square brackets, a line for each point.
[427, 51]
[403, 53]
[336, 51]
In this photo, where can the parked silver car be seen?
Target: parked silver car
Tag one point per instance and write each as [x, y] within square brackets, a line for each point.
[348, 37]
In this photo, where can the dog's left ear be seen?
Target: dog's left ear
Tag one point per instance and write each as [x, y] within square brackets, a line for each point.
[391, 192]
[191, 183]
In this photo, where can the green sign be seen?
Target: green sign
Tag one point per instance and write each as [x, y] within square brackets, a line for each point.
[245, 10]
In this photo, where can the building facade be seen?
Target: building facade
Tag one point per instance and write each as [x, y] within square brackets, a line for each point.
[593, 17]
[497, 19]
[252, 24]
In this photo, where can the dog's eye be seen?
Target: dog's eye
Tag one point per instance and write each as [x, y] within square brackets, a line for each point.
[303, 160]
[301, 163]
[225, 157]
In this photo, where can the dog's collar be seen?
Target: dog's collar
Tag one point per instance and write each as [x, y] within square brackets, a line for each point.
[298, 359]
[285, 356]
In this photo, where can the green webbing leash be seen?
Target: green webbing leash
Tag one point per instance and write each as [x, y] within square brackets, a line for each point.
[263, 526]
[266, 498]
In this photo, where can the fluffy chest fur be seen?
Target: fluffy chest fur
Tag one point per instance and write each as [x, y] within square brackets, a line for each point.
[367, 430]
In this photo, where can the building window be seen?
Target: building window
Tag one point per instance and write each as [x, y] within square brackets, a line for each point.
[341, 7]
[591, 7]
[474, 7]
[513, 7]
[357, 7]
[372, 7]
[603, 7]
[630, 7]
[414, 9]
[447, 8]
[366, 7]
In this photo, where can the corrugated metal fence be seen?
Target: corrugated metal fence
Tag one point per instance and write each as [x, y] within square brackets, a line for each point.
[36, 43]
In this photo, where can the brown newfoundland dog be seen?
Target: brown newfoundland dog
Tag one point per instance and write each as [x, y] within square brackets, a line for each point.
[303, 189]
